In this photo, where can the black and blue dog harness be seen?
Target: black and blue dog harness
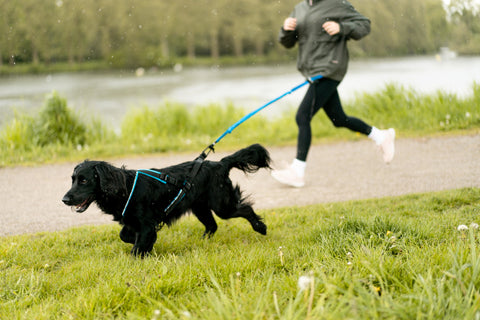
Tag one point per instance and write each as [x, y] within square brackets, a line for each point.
[183, 186]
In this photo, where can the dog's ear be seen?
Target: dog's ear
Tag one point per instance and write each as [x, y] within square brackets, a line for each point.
[112, 180]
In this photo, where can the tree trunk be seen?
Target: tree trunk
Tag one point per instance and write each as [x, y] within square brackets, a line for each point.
[71, 55]
[164, 48]
[214, 46]
[259, 47]
[35, 58]
[238, 46]
[190, 45]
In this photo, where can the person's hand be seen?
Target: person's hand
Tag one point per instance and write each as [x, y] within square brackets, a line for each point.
[289, 24]
[331, 27]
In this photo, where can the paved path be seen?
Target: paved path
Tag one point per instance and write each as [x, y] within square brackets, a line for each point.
[30, 197]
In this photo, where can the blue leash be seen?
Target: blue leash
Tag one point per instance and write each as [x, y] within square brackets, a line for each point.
[251, 114]
[203, 155]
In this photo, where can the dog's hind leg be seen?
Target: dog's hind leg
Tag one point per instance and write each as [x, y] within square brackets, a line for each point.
[245, 210]
[227, 202]
[204, 214]
[242, 209]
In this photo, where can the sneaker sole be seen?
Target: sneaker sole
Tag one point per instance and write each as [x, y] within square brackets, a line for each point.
[288, 183]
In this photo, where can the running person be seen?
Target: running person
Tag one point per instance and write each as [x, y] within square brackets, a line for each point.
[322, 28]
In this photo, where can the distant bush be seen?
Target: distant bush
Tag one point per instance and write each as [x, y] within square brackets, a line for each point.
[57, 123]
[56, 131]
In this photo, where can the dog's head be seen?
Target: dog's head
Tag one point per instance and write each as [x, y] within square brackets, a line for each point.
[91, 180]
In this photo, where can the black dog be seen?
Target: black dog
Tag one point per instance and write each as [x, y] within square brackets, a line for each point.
[210, 189]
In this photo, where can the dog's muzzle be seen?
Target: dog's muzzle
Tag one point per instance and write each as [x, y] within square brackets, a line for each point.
[77, 207]
[67, 200]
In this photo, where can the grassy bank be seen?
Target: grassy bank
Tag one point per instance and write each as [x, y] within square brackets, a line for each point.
[57, 133]
[163, 64]
[390, 258]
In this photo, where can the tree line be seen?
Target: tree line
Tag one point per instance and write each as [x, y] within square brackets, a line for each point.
[134, 33]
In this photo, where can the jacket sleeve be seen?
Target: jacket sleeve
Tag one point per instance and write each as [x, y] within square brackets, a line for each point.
[356, 29]
[354, 25]
[288, 38]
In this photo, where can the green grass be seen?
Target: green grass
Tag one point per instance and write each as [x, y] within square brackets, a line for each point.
[57, 133]
[390, 258]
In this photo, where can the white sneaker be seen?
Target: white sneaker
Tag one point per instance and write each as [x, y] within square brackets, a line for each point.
[289, 177]
[388, 145]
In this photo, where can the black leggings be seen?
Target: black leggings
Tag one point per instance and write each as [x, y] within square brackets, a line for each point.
[323, 93]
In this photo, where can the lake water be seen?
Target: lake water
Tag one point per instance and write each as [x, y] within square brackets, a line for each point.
[110, 95]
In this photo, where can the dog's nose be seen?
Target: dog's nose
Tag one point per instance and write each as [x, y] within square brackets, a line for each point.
[66, 199]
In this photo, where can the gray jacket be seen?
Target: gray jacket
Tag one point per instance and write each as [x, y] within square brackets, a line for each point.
[318, 52]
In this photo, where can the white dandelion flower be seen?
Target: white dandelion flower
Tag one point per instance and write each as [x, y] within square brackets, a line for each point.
[462, 227]
[474, 225]
[304, 282]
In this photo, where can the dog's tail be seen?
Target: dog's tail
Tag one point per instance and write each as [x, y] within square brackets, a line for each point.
[249, 159]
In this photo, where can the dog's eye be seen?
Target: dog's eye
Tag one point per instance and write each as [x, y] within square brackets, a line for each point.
[82, 181]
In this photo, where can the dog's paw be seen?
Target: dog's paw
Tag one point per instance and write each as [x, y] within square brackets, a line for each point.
[208, 234]
[138, 252]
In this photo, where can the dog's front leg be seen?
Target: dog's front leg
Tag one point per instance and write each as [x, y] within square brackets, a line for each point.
[128, 235]
[145, 239]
